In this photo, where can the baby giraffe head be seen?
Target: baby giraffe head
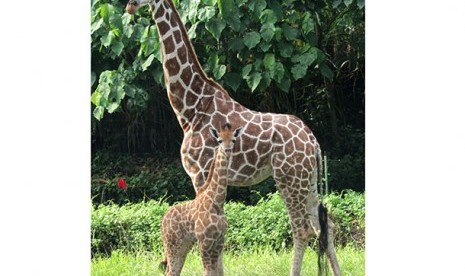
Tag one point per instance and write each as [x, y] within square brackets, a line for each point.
[133, 5]
[226, 137]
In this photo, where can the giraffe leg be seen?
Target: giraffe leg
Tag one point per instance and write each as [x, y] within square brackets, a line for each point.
[176, 255]
[211, 251]
[331, 251]
[302, 224]
[219, 269]
[297, 187]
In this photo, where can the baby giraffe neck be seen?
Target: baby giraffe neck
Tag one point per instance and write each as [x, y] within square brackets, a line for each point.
[218, 183]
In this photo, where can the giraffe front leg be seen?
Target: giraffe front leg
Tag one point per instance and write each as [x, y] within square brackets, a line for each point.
[211, 251]
[219, 267]
[176, 256]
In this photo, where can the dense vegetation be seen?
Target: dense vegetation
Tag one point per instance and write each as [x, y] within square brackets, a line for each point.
[294, 56]
[135, 227]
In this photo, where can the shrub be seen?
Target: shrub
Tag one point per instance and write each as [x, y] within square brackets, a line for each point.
[135, 227]
[347, 211]
[130, 227]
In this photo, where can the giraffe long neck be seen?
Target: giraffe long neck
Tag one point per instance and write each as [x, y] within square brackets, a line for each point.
[185, 79]
[218, 176]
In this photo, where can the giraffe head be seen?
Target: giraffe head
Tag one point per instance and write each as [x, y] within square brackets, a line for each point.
[133, 5]
[226, 137]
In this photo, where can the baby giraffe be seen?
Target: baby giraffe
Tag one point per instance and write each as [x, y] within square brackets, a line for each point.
[203, 218]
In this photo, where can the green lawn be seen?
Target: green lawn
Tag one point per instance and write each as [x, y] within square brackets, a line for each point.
[351, 261]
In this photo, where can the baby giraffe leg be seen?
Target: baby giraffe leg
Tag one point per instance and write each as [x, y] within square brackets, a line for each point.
[211, 251]
[176, 256]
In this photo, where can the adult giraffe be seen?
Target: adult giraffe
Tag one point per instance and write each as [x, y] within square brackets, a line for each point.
[276, 145]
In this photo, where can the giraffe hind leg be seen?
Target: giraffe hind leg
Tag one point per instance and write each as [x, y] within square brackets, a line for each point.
[303, 223]
[331, 251]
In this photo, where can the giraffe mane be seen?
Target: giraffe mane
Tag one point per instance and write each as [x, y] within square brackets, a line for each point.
[190, 50]
[210, 174]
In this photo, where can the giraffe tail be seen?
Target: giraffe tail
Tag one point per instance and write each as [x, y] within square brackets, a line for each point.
[163, 264]
[323, 239]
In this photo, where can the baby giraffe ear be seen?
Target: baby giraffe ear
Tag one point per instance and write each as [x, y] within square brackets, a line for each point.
[214, 133]
[238, 132]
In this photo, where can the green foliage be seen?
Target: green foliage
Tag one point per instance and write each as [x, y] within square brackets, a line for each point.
[130, 43]
[146, 179]
[129, 227]
[252, 227]
[135, 227]
[347, 211]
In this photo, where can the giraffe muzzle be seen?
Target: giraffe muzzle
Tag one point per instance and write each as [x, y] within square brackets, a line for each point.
[132, 7]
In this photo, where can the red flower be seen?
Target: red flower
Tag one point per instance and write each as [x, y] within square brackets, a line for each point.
[122, 184]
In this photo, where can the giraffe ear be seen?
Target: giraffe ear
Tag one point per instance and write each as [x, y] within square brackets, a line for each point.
[238, 132]
[214, 133]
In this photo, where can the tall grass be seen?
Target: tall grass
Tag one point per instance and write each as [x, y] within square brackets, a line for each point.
[264, 262]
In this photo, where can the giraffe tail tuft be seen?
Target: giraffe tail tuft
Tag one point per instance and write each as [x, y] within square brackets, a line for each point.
[323, 239]
[162, 265]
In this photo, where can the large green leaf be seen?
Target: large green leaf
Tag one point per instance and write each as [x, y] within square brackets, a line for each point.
[289, 32]
[347, 2]
[253, 80]
[95, 97]
[230, 12]
[267, 31]
[285, 49]
[117, 47]
[233, 80]
[112, 107]
[265, 46]
[215, 26]
[96, 26]
[147, 62]
[299, 70]
[236, 44]
[98, 112]
[106, 11]
[246, 70]
[192, 31]
[278, 72]
[306, 58]
[251, 39]
[108, 38]
[307, 24]
[219, 71]
[269, 61]
[206, 13]
[268, 16]
[257, 6]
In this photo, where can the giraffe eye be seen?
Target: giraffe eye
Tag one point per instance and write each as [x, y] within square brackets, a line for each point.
[220, 141]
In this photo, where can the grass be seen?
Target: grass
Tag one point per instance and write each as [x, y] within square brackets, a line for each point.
[267, 262]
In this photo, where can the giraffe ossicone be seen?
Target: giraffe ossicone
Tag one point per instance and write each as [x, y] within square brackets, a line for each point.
[277, 145]
[202, 219]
